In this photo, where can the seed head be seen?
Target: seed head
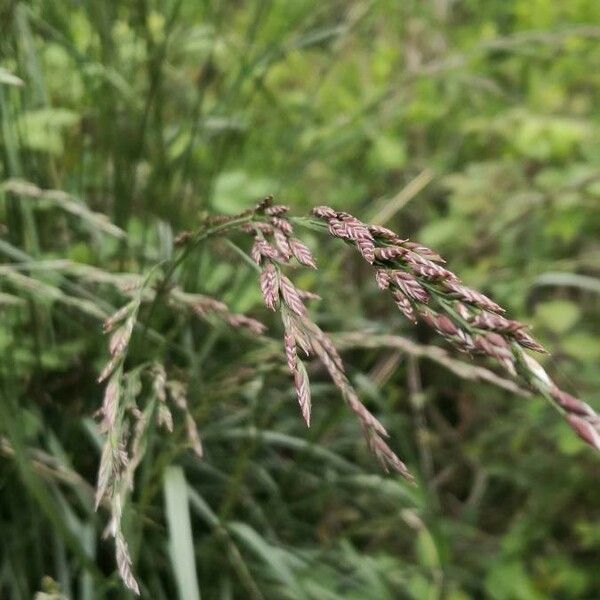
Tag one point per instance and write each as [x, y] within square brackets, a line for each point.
[269, 285]
[290, 296]
[282, 224]
[282, 243]
[324, 212]
[410, 287]
[302, 386]
[383, 279]
[587, 431]
[302, 253]
[389, 253]
[277, 210]
[405, 305]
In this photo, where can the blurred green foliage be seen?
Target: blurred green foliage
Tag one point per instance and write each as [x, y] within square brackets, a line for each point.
[470, 126]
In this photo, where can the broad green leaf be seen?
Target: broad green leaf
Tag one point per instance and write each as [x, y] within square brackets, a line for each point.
[43, 129]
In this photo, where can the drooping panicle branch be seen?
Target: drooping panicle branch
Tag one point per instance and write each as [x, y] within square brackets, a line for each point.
[273, 249]
[125, 424]
[473, 323]
[206, 307]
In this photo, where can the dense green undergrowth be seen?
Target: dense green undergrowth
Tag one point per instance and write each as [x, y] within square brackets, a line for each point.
[471, 127]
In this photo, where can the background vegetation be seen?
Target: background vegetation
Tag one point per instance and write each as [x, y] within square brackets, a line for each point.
[470, 126]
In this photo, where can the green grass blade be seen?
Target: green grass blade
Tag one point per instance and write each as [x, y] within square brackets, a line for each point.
[180, 534]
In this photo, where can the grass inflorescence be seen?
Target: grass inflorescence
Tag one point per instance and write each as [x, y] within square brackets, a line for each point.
[415, 276]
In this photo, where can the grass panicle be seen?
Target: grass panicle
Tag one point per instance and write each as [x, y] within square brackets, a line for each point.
[423, 289]
[469, 320]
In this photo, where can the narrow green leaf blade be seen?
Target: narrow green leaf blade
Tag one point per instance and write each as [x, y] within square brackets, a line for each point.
[180, 534]
[7, 78]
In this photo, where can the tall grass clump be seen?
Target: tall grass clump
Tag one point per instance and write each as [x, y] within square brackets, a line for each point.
[195, 389]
